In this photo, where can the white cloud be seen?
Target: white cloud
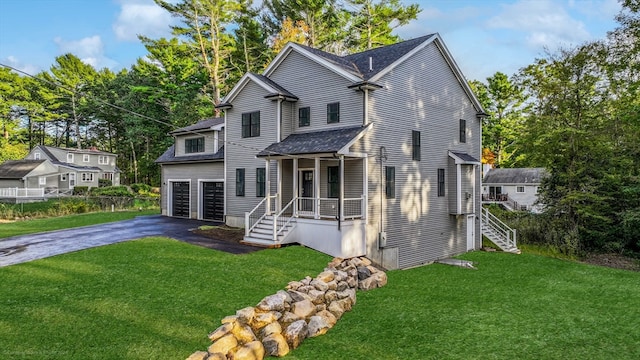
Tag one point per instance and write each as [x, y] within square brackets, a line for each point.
[546, 23]
[90, 50]
[16, 63]
[141, 18]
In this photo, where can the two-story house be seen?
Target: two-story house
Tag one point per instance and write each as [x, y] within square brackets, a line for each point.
[374, 153]
[193, 172]
[75, 167]
[514, 188]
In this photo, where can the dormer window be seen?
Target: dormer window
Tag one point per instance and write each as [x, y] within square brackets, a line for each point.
[194, 145]
[69, 157]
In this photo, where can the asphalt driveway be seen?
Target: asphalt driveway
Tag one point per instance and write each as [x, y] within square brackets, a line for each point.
[19, 249]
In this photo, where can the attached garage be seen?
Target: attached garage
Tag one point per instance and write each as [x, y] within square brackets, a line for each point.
[212, 200]
[180, 199]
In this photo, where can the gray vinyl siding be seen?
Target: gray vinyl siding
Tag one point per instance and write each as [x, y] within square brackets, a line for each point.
[10, 183]
[288, 118]
[240, 152]
[420, 94]
[317, 86]
[191, 172]
[208, 143]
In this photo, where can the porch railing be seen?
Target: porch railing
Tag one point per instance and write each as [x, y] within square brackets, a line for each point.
[506, 234]
[328, 208]
[253, 217]
[21, 192]
[283, 218]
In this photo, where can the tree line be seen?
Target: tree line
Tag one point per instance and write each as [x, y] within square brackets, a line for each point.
[574, 111]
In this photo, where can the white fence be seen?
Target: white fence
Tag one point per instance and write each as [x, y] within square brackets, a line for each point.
[21, 192]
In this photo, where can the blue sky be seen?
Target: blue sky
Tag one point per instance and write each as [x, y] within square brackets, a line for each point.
[484, 36]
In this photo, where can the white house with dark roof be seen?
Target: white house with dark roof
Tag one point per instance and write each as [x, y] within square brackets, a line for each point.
[515, 188]
[193, 172]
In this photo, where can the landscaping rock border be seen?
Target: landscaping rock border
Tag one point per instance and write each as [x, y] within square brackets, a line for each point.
[282, 321]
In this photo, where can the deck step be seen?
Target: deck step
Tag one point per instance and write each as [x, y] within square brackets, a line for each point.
[269, 244]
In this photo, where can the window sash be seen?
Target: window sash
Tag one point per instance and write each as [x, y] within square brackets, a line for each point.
[42, 180]
[415, 145]
[194, 145]
[333, 113]
[85, 158]
[251, 124]
[103, 160]
[441, 183]
[463, 131]
[261, 182]
[390, 181]
[333, 180]
[304, 116]
[239, 182]
[69, 158]
[520, 189]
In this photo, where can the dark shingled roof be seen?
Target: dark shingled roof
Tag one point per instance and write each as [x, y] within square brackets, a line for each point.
[169, 156]
[17, 169]
[383, 56]
[200, 125]
[280, 90]
[515, 176]
[465, 156]
[327, 141]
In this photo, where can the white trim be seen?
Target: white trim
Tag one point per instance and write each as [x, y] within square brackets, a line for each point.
[200, 193]
[170, 195]
[86, 158]
[471, 238]
[275, 63]
[42, 180]
[244, 80]
[36, 155]
[459, 188]
[224, 165]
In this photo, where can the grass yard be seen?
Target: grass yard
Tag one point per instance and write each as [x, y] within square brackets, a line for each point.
[23, 227]
[159, 298]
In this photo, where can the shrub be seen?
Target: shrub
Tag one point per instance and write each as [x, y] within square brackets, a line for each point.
[121, 191]
[104, 182]
[140, 188]
[80, 190]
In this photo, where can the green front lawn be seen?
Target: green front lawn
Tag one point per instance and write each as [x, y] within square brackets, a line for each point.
[23, 227]
[159, 298]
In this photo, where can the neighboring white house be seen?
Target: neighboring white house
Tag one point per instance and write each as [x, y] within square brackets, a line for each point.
[374, 153]
[515, 188]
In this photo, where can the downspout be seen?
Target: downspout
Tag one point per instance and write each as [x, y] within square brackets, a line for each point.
[279, 120]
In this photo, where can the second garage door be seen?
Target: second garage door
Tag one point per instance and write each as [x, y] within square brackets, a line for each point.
[213, 200]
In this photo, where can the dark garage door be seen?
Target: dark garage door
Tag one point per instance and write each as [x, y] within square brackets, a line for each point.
[213, 200]
[180, 199]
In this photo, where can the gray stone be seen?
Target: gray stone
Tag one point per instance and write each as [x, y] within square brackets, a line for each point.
[333, 285]
[326, 276]
[341, 275]
[287, 297]
[328, 316]
[294, 285]
[321, 307]
[363, 273]
[336, 309]
[306, 280]
[330, 296]
[220, 331]
[250, 351]
[352, 281]
[275, 345]
[365, 261]
[345, 303]
[273, 302]
[317, 326]
[303, 309]
[296, 333]
[288, 318]
[320, 285]
[317, 296]
[342, 285]
[298, 296]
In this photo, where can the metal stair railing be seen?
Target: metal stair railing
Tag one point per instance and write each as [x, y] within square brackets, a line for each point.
[504, 232]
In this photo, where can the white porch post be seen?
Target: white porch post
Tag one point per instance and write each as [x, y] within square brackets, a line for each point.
[295, 186]
[365, 187]
[341, 196]
[316, 187]
[267, 190]
[459, 188]
[279, 187]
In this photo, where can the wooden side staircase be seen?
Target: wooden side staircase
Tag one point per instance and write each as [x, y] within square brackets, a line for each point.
[498, 232]
[262, 233]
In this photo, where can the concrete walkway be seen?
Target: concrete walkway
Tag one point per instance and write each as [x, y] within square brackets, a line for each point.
[19, 249]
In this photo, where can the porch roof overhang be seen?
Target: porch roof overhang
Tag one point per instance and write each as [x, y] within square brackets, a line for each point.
[317, 143]
[463, 158]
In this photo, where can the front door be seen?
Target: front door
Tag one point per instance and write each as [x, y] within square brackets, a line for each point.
[306, 190]
[72, 180]
[471, 232]
[212, 200]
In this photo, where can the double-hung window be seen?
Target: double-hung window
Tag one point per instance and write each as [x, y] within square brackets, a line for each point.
[85, 158]
[251, 124]
[239, 182]
[390, 181]
[69, 157]
[333, 113]
[333, 190]
[261, 182]
[415, 145]
[194, 145]
[304, 116]
[103, 160]
[440, 182]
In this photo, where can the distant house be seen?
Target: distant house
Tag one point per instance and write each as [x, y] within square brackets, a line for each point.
[193, 172]
[26, 173]
[515, 188]
[374, 153]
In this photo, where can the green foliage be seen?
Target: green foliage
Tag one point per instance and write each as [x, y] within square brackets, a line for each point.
[104, 182]
[141, 188]
[120, 190]
[81, 190]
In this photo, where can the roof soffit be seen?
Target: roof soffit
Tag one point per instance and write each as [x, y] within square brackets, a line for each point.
[242, 83]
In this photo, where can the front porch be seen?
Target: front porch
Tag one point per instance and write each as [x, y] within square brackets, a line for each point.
[320, 202]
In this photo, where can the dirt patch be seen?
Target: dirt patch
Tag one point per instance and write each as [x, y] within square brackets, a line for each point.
[614, 261]
[222, 232]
